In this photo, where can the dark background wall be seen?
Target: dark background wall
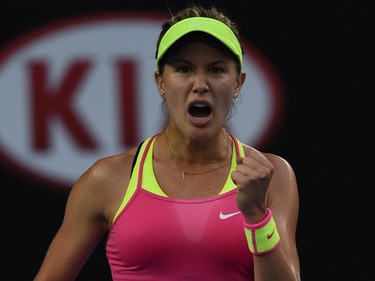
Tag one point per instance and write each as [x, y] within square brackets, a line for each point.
[321, 51]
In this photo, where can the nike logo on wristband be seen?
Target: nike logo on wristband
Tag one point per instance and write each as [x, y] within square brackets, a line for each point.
[226, 216]
[269, 236]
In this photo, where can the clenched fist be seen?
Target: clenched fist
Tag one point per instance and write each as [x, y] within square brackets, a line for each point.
[252, 176]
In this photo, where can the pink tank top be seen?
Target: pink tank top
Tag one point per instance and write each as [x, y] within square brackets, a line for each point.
[154, 237]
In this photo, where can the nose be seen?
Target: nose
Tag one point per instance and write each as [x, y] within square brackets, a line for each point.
[200, 83]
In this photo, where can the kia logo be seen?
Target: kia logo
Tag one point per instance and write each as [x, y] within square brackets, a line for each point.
[81, 89]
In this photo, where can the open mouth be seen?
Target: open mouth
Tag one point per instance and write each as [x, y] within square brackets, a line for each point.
[200, 110]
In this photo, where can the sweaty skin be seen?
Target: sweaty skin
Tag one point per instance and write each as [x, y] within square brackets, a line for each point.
[162, 215]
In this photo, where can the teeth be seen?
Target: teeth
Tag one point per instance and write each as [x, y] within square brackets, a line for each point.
[200, 111]
[199, 105]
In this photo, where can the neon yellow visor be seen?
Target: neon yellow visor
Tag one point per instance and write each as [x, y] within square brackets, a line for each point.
[208, 25]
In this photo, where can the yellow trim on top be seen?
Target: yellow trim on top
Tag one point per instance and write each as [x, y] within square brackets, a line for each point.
[150, 183]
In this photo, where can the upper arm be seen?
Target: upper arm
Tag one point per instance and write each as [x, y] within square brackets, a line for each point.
[88, 209]
[283, 200]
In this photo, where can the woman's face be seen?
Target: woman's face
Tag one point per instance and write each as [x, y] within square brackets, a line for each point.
[199, 82]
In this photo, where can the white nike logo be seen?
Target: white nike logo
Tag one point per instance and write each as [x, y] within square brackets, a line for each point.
[195, 24]
[226, 216]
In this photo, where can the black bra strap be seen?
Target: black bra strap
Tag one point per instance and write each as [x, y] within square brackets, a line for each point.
[135, 157]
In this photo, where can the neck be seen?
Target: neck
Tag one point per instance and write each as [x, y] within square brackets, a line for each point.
[189, 167]
[199, 153]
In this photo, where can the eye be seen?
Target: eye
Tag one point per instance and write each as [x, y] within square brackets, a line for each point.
[184, 69]
[216, 70]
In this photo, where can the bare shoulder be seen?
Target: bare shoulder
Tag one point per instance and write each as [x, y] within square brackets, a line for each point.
[283, 187]
[281, 166]
[112, 167]
[103, 185]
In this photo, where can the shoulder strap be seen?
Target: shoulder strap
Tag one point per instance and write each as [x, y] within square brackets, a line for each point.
[136, 156]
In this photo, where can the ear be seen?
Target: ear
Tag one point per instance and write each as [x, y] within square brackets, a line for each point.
[159, 82]
[240, 81]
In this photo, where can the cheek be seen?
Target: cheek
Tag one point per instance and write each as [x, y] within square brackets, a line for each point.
[225, 103]
[175, 90]
[227, 94]
[175, 100]
[172, 80]
[229, 104]
[229, 97]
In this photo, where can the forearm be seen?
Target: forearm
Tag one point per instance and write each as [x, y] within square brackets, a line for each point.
[276, 266]
[275, 255]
